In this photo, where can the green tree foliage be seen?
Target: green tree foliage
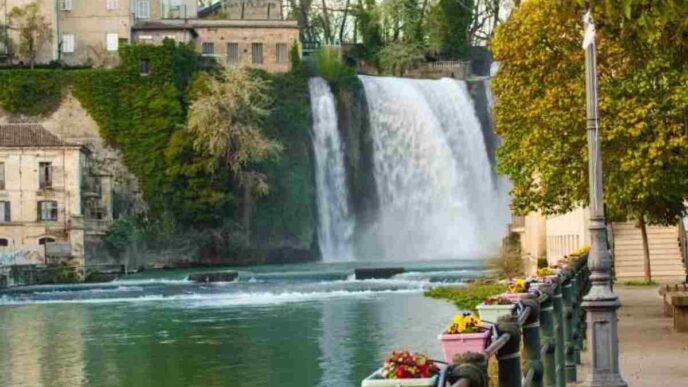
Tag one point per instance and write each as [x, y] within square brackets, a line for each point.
[33, 27]
[287, 212]
[454, 21]
[397, 58]
[540, 110]
[225, 122]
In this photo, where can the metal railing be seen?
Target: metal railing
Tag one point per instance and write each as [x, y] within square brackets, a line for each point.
[550, 322]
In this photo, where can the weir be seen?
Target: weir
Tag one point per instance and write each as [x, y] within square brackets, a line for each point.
[438, 197]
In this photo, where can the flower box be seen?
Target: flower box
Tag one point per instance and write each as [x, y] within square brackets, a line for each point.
[454, 344]
[492, 312]
[376, 380]
[515, 297]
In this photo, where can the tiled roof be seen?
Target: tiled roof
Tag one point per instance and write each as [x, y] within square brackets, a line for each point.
[28, 135]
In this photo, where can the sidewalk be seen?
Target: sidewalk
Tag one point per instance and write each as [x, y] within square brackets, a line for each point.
[652, 354]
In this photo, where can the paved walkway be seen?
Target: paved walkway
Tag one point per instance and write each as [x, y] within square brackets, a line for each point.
[652, 354]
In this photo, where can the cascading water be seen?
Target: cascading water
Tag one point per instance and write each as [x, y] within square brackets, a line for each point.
[335, 219]
[434, 181]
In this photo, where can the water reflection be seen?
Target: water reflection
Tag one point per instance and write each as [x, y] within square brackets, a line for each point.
[42, 346]
[288, 334]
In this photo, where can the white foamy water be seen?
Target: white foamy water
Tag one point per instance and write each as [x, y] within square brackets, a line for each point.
[216, 300]
[335, 227]
[437, 195]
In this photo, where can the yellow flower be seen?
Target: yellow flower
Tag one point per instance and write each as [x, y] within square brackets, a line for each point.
[463, 324]
[517, 285]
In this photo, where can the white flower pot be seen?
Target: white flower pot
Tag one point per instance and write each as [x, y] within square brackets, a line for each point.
[376, 380]
[491, 313]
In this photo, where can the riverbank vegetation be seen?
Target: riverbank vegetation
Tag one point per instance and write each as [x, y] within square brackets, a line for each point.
[469, 297]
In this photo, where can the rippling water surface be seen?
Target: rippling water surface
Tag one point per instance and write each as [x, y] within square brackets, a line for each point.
[288, 326]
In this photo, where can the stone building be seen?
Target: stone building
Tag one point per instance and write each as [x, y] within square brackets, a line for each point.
[49, 198]
[236, 32]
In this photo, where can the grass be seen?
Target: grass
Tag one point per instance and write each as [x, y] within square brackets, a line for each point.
[469, 297]
[640, 283]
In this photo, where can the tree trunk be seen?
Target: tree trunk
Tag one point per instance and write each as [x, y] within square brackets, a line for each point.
[341, 29]
[326, 23]
[646, 248]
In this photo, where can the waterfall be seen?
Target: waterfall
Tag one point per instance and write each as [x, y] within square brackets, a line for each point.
[434, 180]
[336, 225]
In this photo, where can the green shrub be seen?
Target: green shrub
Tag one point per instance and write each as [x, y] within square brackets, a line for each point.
[469, 297]
[31, 92]
[330, 66]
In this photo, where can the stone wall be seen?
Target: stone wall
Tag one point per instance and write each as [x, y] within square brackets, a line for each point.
[269, 34]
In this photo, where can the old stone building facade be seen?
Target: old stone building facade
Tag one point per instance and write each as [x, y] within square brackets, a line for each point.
[237, 32]
[49, 197]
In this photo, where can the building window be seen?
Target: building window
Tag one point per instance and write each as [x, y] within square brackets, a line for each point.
[45, 175]
[233, 52]
[5, 211]
[68, 43]
[66, 5]
[144, 67]
[257, 53]
[43, 241]
[143, 9]
[282, 53]
[4, 242]
[112, 42]
[208, 48]
[47, 210]
[112, 4]
[2, 176]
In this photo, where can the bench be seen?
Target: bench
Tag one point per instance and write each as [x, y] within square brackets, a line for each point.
[679, 302]
[666, 292]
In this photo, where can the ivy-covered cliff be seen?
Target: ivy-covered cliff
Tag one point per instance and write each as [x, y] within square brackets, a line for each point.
[144, 116]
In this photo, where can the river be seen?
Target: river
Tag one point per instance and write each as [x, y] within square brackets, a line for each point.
[288, 326]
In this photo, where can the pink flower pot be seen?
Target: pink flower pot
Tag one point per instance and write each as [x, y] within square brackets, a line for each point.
[462, 342]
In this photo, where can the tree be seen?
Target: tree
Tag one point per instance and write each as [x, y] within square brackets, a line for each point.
[540, 109]
[225, 124]
[34, 29]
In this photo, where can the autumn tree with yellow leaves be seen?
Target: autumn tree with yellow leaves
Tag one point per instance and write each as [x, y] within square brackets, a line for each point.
[643, 102]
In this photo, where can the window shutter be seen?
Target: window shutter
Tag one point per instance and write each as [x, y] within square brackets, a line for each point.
[8, 213]
[112, 42]
[38, 211]
[68, 43]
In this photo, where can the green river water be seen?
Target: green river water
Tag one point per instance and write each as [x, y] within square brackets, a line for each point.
[287, 326]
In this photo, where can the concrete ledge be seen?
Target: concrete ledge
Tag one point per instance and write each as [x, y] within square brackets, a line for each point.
[377, 273]
[225, 276]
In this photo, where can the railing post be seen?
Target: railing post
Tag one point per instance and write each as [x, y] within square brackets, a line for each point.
[471, 367]
[576, 319]
[559, 334]
[547, 333]
[570, 356]
[531, 341]
[509, 356]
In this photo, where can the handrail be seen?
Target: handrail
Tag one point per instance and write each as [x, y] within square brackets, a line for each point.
[554, 314]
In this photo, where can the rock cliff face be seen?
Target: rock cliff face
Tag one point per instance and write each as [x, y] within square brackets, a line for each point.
[354, 127]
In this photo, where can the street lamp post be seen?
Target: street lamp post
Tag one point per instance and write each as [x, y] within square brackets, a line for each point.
[601, 303]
